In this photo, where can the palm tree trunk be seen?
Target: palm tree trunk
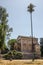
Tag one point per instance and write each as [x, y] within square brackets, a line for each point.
[32, 36]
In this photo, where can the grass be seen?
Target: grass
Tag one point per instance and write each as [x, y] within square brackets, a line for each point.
[21, 62]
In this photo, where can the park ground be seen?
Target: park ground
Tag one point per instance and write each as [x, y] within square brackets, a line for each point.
[21, 62]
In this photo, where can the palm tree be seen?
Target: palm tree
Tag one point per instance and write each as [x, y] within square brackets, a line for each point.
[31, 9]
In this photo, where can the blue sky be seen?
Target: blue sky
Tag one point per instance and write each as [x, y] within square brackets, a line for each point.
[19, 18]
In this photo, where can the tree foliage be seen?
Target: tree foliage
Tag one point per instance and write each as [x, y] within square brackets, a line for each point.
[11, 43]
[4, 27]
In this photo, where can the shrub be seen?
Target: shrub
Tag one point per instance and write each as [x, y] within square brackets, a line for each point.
[4, 51]
[8, 55]
[13, 55]
[17, 55]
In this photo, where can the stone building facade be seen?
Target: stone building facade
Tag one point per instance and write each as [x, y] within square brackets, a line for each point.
[25, 44]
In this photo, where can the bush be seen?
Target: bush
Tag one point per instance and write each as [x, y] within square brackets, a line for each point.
[17, 55]
[4, 51]
[13, 55]
[8, 55]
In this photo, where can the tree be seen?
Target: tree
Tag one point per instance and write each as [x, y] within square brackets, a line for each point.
[11, 44]
[31, 9]
[4, 49]
[4, 27]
